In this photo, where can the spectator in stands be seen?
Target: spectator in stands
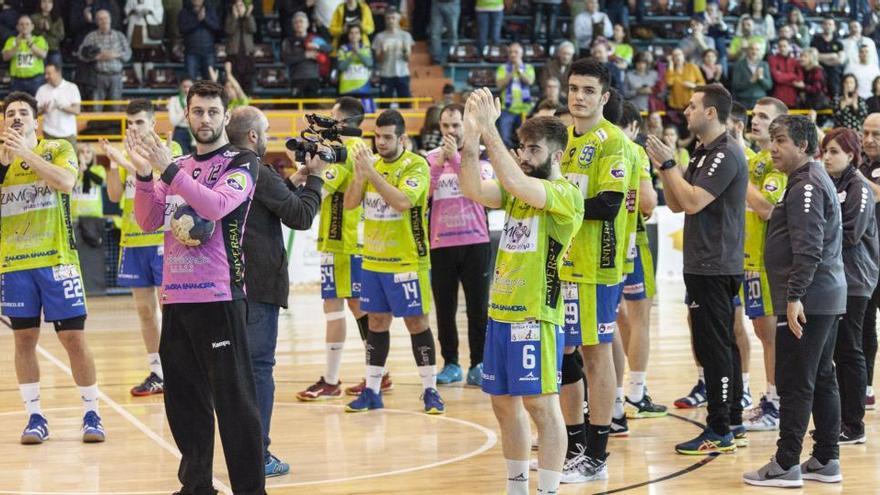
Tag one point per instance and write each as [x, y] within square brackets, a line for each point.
[448, 95]
[545, 14]
[764, 23]
[587, 21]
[695, 45]
[8, 19]
[551, 91]
[301, 53]
[287, 8]
[84, 17]
[873, 103]
[746, 34]
[672, 139]
[621, 49]
[380, 8]
[751, 79]
[490, 16]
[654, 125]
[444, 14]
[393, 47]
[813, 91]
[786, 72]
[514, 80]
[832, 55]
[143, 16]
[177, 116]
[59, 104]
[681, 78]
[25, 54]
[49, 25]
[863, 71]
[639, 83]
[855, 40]
[172, 10]
[199, 26]
[711, 69]
[114, 51]
[800, 28]
[718, 30]
[558, 66]
[352, 12]
[850, 109]
[787, 33]
[354, 61]
[240, 29]
[601, 52]
[430, 136]
[545, 108]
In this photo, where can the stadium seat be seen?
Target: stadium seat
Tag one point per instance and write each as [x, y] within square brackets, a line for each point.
[220, 52]
[534, 53]
[495, 53]
[129, 78]
[477, 78]
[162, 78]
[272, 78]
[464, 53]
[273, 27]
[263, 53]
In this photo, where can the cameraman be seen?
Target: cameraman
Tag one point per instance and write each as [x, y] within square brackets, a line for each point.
[276, 201]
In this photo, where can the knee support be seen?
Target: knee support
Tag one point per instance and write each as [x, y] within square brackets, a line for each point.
[572, 368]
[75, 323]
[24, 323]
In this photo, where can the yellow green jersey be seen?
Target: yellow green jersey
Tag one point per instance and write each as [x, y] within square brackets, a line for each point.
[526, 283]
[644, 174]
[639, 168]
[397, 241]
[88, 203]
[35, 225]
[771, 184]
[132, 235]
[340, 230]
[595, 162]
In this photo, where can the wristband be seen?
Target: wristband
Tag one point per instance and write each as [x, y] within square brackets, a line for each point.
[668, 164]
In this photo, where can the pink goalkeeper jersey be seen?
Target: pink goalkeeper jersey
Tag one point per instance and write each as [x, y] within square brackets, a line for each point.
[455, 220]
[219, 186]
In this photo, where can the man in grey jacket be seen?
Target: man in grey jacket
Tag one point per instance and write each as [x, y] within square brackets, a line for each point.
[807, 284]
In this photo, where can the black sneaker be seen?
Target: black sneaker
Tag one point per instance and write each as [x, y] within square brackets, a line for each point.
[151, 385]
[644, 408]
[619, 428]
[850, 438]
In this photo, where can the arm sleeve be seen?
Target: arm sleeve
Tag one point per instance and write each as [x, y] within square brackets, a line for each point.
[415, 181]
[805, 211]
[232, 188]
[604, 206]
[766, 82]
[295, 209]
[149, 203]
[563, 202]
[857, 212]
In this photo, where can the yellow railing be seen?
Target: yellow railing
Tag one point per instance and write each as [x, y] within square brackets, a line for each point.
[297, 103]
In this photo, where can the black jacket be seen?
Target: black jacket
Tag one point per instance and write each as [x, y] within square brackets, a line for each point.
[860, 243]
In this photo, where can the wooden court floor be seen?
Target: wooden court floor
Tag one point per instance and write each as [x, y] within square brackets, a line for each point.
[397, 450]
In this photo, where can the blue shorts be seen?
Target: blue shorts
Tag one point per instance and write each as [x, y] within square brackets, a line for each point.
[401, 294]
[640, 284]
[756, 293]
[340, 276]
[590, 312]
[522, 358]
[140, 267]
[56, 291]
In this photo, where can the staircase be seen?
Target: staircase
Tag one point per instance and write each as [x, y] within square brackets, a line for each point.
[426, 79]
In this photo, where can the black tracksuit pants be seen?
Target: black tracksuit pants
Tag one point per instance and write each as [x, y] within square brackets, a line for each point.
[207, 368]
[869, 334]
[849, 364]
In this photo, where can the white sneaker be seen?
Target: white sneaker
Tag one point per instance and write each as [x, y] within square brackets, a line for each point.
[766, 418]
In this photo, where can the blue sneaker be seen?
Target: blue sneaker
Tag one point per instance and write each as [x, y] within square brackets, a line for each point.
[92, 430]
[451, 373]
[739, 435]
[433, 403]
[696, 398]
[36, 431]
[275, 467]
[366, 401]
[475, 375]
[706, 443]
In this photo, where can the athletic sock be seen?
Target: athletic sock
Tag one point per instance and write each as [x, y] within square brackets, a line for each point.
[89, 397]
[548, 482]
[155, 363]
[517, 477]
[363, 324]
[597, 441]
[577, 440]
[378, 345]
[334, 360]
[700, 373]
[426, 357]
[30, 395]
[636, 389]
[617, 411]
[746, 379]
[772, 395]
[869, 390]
[428, 374]
[374, 378]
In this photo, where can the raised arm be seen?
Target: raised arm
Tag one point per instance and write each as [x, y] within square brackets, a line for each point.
[485, 192]
[59, 174]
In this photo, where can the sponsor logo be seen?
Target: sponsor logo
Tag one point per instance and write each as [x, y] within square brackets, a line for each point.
[505, 282]
[551, 273]
[513, 308]
[400, 278]
[841, 196]
[237, 181]
[230, 153]
[529, 378]
[221, 344]
[64, 272]
[329, 174]
[196, 173]
[190, 286]
[375, 208]
[601, 134]
[412, 182]
[487, 377]
[607, 328]
[529, 331]
[520, 235]
[617, 173]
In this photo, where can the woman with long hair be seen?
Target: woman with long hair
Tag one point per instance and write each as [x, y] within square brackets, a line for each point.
[799, 26]
[873, 103]
[49, 24]
[430, 136]
[812, 90]
[850, 109]
[354, 64]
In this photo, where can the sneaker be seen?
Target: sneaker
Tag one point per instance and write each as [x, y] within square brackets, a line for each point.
[815, 471]
[696, 398]
[36, 431]
[320, 390]
[583, 468]
[707, 442]
[151, 385]
[433, 403]
[739, 436]
[366, 401]
[275, 467]
[850, 438]
[619, 428]
[772, 474]
[870, 402]
[747, 401]
[450, 373]
[92, 429]
[535, 444]
[766, 418]
[475, 375]
[357, 389]
[644, 408]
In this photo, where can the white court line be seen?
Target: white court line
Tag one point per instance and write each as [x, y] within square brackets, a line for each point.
[152, 435]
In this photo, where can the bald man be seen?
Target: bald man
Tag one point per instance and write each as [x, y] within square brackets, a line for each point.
[870, 168]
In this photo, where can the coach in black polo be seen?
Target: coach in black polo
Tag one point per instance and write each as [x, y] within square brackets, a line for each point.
[712, 193]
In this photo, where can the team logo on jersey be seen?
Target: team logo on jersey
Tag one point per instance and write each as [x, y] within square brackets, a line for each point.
[587, 154]
[601, 134]
[412, 182]
[230, 153]
[617, 173]
[196, 173]
[237, 181]
[329, 175]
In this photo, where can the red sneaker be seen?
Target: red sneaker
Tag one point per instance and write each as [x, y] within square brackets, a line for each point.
[870, 402]
[356, 390]
[320, 390]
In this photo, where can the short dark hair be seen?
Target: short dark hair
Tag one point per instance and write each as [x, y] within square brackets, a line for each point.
[800, 129]
[717, 97]
[547, 105]
[592, 68]
[53, 64]
[352, 108]
[392, 117]
[208, 89]
[738, 113]
[17, 96]
[776, 103]
[550, 128]
[140, 105]
[448, 89]
[613, 109]
[453, 107]
[630, 113]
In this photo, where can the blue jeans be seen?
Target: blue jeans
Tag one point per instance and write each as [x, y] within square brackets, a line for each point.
[443, 13]
[507, 126]
[488, 22]
[29, 85]
[395, 87]
[197, 66]
[262, 332]
[545, 13]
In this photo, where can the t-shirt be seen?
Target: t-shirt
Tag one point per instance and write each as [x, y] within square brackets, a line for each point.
[713, 237]
[771, 183]
[397, 241]
[340, 230]
[455, 219]
[490, 5]
[88, 203]
[824, 46]
[526, 283]
[36, 228]
[131, 233]
[596, 162]
[55, 121]
[393, 45]
[25, 64]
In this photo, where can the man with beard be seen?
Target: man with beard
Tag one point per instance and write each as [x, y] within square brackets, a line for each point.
[203, 346]
[524, 339]
[393, 189]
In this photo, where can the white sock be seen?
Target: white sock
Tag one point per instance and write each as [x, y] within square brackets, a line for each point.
[155, 364]
[548, 482]
[30, 395]
[334, 360]
[746, 377]
[869, 390]
[428, 375]
[517, 477]
[636, 390]
[772, 394]
[618, 403]
[89, 397]
[374, 378]
[700, 372]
